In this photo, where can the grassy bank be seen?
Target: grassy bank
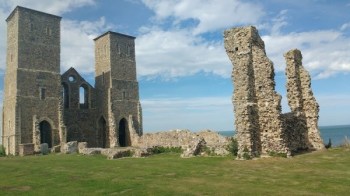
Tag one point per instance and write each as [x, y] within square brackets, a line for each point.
[319, 173]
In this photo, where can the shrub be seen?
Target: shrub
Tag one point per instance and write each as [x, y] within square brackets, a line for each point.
[246, 154]
[233, 146]
[162, 149]
[2, 151]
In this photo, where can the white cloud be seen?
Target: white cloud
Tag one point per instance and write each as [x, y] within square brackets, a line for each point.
[345, 26]
[77, 44]
[210, 14]
[179, 53]
[53, 6]
[182, 51]
[57, 7]
[325, 52]
[192, 113]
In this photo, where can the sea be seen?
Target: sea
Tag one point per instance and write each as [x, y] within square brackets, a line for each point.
[336, 134]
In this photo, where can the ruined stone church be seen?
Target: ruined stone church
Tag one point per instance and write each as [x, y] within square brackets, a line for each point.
[41, 105]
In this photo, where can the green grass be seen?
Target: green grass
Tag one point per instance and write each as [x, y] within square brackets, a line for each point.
[318, 173]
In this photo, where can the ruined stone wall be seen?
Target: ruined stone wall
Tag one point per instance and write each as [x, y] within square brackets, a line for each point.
[261, 128]
[256, 104]
[303, 105]
[182, 138]
[80, 118]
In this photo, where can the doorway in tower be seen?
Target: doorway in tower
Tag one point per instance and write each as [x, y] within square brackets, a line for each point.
[102, 132]
[45, 133]
[124, 135]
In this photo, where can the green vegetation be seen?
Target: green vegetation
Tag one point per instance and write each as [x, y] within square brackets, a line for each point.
[233, 146]
[161, 149]
[319, 173]
[277, 154]
[2, 151]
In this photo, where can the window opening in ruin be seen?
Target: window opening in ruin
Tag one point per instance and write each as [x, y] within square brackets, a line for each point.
[11, 58]
[65, 95]
[83, 96]
[102, 132]
[45, 133]
[124, 137]
[124, 95]
[236, 49]
[128, 51]
[48, 31]
[118, 48]
[42, 93]
[71, 79]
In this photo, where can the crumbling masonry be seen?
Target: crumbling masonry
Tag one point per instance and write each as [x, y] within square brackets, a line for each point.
[43, 106]
[260, 127]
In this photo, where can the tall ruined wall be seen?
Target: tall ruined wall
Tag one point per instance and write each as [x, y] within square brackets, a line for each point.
[260, 127]
[304, 108]
[257, 106]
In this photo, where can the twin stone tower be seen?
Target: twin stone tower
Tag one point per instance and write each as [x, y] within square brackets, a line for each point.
[43, 106]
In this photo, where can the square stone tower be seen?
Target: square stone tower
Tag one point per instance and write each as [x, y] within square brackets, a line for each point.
[32, 80]
[117, 88]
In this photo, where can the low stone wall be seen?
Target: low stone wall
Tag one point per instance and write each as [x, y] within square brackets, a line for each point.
[189, 141]
[26, 149]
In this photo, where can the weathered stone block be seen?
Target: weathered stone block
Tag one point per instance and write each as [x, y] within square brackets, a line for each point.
[26, 149]
[82, 146]
[70, 147]
[44, 148]
[56, 149]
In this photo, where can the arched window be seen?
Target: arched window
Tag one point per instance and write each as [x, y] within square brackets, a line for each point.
[65, 95]
[84, 96]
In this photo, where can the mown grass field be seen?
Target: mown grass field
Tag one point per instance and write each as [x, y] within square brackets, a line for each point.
[318, 173]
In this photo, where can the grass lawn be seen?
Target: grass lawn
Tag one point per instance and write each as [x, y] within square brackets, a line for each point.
[318, 173]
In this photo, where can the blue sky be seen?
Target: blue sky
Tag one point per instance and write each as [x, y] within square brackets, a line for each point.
[183, 70]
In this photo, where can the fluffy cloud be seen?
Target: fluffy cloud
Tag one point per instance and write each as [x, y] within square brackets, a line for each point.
[53, 6]
[325, 52]
[57, 7]
[179, 53]
[210, 14]
[182, 51]
[77, 44]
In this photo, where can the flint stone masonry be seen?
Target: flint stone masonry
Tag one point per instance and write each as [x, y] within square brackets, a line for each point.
[70, 147]
[261, 128]
[187, 140]
[302, 103]
[43, 106]
[26, 149]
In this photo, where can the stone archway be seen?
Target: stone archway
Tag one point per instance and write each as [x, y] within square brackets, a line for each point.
[45, 133]
[124, 134]
[102, 132]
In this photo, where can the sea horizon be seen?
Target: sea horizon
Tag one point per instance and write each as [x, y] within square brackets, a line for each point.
[335, 133]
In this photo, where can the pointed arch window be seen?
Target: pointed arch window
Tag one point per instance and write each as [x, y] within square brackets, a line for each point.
[84, 96]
